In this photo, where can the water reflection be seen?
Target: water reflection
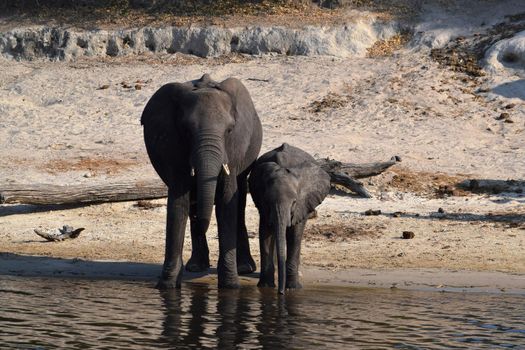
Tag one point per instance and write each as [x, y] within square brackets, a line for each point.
[52, 313]
[247, 317]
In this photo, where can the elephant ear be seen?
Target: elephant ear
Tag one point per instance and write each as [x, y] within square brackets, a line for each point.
[314, 185]
[259, 180]
[165, 103]
[161, 135]
[241, 100]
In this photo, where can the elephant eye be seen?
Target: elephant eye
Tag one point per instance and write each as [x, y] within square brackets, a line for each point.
[230, 129]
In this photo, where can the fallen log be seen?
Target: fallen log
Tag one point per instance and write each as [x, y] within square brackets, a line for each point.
[47, 194]
[492, 186]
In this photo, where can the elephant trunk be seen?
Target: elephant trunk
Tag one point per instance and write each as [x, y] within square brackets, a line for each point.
[280, 242]
[208, 161]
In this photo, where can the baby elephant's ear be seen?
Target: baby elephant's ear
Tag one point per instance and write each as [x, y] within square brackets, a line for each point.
[240, 97]
[313, 188]
[260, 177]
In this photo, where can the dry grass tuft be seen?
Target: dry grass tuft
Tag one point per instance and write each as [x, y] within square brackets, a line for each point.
[330, 101]
[342, 233]
[386, 48]
[433, 185]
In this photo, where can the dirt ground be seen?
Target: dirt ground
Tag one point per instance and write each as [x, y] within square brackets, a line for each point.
[226, 13]
[78, 123]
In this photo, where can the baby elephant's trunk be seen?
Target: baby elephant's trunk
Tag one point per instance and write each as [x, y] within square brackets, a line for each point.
[281, 254]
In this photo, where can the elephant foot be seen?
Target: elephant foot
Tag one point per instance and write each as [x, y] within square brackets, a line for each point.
[293, 284]
[246, 265]
[196, 264]
[266, 284]
[164, 284]
[171, 276]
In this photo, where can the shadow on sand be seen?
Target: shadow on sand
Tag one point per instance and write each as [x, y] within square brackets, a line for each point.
[17, 209]
[12, 264]
[513, 89]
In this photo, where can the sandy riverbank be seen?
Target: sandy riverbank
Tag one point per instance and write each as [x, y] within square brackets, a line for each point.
[60, 126]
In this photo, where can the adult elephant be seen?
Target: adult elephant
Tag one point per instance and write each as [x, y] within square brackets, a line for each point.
[202, 138]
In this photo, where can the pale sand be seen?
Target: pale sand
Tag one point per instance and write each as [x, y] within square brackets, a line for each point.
[57, 127]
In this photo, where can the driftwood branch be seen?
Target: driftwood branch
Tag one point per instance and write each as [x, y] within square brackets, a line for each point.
[343, 174]
[60, 234]
[349, 183]
[357, 171]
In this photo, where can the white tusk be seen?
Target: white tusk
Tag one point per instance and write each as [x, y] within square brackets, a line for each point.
[226, 169]
[192, 172]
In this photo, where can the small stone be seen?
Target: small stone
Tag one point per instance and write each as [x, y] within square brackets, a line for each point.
[372, 212]
[408, 235]
[510, 105]
[138, 87]
[103, 87]
[87, 175]
[503, 116]
[441, 211]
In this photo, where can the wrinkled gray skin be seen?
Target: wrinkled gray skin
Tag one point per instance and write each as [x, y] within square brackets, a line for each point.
[286, 185]
[196, 133]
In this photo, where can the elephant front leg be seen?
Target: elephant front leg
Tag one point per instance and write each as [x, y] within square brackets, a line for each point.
[226, 213]
[200, 254]
[266, 244]
[294, 235]
[177, 215]
[245, 262]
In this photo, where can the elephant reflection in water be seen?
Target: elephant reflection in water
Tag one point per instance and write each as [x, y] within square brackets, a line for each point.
[279, 326]
[199, 318]
[185, 317]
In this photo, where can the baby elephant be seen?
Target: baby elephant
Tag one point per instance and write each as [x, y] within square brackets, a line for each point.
[286, 185]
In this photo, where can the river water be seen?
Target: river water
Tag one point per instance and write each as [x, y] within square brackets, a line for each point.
[52, 313]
